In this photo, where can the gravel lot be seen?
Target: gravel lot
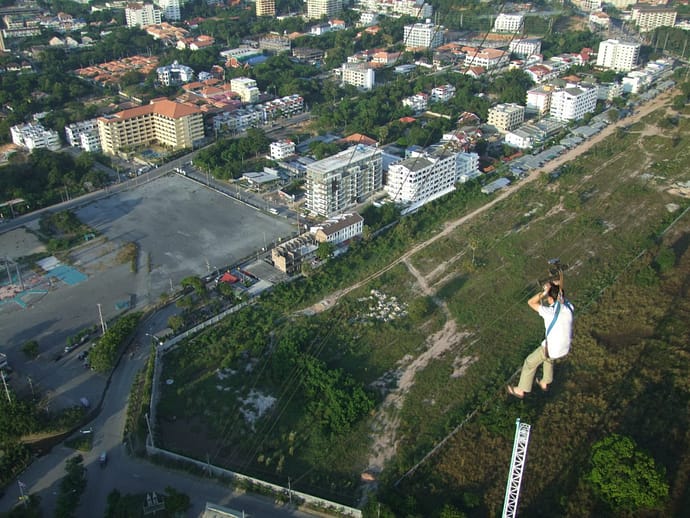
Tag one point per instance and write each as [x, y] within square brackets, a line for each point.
[181, 228]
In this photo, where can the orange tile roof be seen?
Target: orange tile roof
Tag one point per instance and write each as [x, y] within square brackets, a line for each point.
[163, 107]
[358, 138]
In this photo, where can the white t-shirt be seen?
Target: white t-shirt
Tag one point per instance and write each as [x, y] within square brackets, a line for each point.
[561, 333]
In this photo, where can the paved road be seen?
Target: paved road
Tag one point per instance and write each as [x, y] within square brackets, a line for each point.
[127, 474]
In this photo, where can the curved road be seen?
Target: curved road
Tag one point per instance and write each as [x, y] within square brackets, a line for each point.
[123, 472]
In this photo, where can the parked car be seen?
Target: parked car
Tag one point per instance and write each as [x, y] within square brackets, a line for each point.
[103, 459]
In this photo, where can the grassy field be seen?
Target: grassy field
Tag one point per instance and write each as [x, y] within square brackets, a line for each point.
[599, 216]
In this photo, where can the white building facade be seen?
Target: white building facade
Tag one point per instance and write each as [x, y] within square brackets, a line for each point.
[573, 102]
[426, 176]
[171, 9]
[511, 23]
[618, 55]
[360, 75]
[423, 35]
[282, 149]
[525, 47]
[174, 74]
[442, 94]
[318, 8]
[84, 135]
[343, 180]
[140, 15]
[34, 136]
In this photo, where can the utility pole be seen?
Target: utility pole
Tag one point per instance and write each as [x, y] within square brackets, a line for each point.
[7, 392]
[104, 327]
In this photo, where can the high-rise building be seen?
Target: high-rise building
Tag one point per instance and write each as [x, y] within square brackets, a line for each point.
[141, 15]
[360, 75]
[423, 35]
[341, 181]
[650, 17]
[318, 8]
[171, 124]
[171, 9]
[426, 176]
[618, 55]
[573, 102]
[265, 7]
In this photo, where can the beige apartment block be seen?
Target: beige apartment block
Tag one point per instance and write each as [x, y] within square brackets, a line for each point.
[168, 123]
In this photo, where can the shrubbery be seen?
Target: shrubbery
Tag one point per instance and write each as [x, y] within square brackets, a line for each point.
[104, 354]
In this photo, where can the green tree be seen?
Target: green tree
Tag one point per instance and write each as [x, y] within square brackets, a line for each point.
[325, 250]
[30, 348]
[176, 503]
[71, 488]
[625, 477]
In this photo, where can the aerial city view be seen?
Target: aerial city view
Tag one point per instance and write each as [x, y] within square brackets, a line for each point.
[368, 258]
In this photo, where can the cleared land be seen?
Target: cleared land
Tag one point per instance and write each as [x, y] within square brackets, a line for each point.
[434, 366]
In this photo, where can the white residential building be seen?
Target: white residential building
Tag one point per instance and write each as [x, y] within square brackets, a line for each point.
[609, 91]
[417, 102]
[361, 75]
[424, 177]
[343, 180]
[423, 35]
[174, 74]
[573, 102]
[588, 5]
[84, 135]
[509, 23]
[525, 47]
[171, 9]
[416, 8]
[486, 58]
[650, 17]
[246, 88]
[318, 8]
[618, 55]
[636, 81]
[442, 94]
[34, 136]
[140, 15]
[339, 229]
[600, 20]
[282, 149]
[506, 117]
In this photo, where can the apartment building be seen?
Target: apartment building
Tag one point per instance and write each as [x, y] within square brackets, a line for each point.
[442, 94]
[343, 180]
[416, 8]
[617, 55]
[34, 136]
[265, 7]
[511, 23]
[171, 9]
[361, 75]
[84, 135]
[423, 36]
[282, 149]
[417, 102]
[273, 42]
[339, 229]
[168, 123]
[424, 177]
[649, 17]
[525, 47]
[175, 74]
[259, 114]
[539, 100]
[318, 8]
[506, 117]
[573, 102]
[486, 58]
[246, 88]
[140, 15]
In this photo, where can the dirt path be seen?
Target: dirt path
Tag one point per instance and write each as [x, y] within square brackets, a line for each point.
[387, 418]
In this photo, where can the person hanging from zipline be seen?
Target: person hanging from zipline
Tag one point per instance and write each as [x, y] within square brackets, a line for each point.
[557, 313]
